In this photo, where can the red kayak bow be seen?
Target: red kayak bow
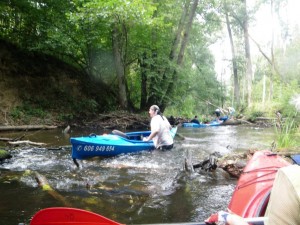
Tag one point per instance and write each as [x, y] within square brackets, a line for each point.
[69, 216]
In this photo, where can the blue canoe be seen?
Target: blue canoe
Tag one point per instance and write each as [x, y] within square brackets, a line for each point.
[210, 124]
[112, 144]
[196, 125]
[296, 158]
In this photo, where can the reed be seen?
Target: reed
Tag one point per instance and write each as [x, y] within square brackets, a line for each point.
[286, 133]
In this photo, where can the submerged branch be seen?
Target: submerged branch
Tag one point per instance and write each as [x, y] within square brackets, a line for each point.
[27, 127]
[43, 183]
[26, 142]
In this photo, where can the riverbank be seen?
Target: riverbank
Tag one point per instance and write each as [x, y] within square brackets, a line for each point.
[120, 120]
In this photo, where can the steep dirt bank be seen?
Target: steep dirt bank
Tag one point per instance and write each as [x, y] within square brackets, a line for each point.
[39, 89]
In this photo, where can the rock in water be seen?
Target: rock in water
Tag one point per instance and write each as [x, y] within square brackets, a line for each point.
[4, 155]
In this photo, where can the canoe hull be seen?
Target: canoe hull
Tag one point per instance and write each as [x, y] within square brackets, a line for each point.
[106, 146]
[111, 144]
[196, 125]
[251, 195]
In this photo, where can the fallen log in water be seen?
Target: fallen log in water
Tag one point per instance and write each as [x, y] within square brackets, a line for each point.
[6, 139]
[232, 122]
[266, 118]
[11, 139]
[233, 163]
[27, 127]
[26, 142]
[244, 121]
[43, 183]
[69, 147]
[180, 136]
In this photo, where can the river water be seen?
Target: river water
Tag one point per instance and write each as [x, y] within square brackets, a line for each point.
[150, 187]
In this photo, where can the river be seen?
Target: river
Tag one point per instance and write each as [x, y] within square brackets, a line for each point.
[151, 187]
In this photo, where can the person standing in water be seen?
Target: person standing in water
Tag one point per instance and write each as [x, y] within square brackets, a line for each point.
[160, 130]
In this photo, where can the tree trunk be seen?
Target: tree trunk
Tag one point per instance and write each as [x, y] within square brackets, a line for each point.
[154, 82]
[120, 70]
[272, 55]
[155, 96]
[234, 64]
[176, 40]
[264, 90]
[172, 57]
[143, 66]
[187, 33]
[249, 71]
[183, 45]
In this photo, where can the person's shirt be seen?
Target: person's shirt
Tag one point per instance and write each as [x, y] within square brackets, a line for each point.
[231, 110]
[162, 126]
[195, 121]
[284, 203]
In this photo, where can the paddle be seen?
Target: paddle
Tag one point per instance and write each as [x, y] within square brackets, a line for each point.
[69, 216]
[73, 216]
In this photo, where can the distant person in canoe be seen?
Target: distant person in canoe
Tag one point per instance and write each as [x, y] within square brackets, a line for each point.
[160, 130]
[283, 206]
[218, 114]
[172, 120]
[195, 120]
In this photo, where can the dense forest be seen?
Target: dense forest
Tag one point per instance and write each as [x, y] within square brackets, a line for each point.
[128, 55]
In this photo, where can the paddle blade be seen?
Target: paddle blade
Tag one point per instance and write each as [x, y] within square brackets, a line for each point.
[69, 216]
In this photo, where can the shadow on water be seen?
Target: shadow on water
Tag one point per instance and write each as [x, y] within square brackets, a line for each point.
[151, 187]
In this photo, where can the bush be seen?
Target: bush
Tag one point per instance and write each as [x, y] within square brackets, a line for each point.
[254, 114]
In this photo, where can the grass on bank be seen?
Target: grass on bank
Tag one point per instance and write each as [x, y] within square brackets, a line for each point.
[287, 133]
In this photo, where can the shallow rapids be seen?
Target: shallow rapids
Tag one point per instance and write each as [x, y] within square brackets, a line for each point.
[151, 187]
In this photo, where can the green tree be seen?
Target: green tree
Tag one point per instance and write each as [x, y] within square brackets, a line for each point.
[136, 52]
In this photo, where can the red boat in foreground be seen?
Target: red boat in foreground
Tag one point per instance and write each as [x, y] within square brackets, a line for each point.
[251, 195]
